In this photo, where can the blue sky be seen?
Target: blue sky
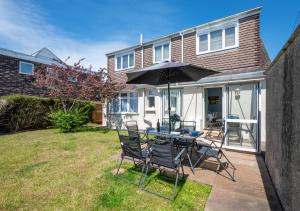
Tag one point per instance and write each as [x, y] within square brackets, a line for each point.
[90, 28]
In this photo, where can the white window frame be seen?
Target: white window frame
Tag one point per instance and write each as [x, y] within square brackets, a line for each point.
[154, 96]
[162, 51]
[164, 95]
[128, 104]
[121, 55]
[20, 64]
[216, 28]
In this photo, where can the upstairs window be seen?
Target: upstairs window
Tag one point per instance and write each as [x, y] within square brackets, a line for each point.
[26, 68]
[125, 61]
[230, 36]
[216, 40]
[161, 52]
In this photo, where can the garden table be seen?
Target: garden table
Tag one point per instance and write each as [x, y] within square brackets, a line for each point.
[180, 140]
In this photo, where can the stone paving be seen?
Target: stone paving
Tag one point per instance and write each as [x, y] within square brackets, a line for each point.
[252, 189]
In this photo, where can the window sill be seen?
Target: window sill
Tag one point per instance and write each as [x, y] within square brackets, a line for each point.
[30, 74]
[127, 69]
[150, 109]
[124, 113]
[215, 51]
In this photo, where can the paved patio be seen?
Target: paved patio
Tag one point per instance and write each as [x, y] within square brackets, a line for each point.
[252, 189]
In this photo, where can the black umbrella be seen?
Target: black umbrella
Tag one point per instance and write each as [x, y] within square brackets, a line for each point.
[167, 73]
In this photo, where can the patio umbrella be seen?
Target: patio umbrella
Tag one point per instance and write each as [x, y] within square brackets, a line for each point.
[166, 73]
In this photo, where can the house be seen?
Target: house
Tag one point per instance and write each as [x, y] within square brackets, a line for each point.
[16, 70]
[230, 45]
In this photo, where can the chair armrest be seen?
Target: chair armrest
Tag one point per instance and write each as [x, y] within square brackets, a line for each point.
[179, 154]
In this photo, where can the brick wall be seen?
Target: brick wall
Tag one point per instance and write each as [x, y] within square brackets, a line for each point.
[148, 55]
[250, 55]
[176, 48]
[12, 82]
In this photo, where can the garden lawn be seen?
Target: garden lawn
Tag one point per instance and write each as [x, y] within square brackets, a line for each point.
[47, 170]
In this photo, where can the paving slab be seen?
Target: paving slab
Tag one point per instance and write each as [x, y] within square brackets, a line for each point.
[251, 190]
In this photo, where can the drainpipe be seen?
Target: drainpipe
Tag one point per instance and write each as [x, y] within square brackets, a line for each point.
[181, 34]
[142, 53]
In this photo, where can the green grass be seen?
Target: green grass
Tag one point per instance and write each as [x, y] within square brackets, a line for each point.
[48, 170]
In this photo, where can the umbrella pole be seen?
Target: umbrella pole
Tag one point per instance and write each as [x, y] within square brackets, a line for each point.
[169, 102]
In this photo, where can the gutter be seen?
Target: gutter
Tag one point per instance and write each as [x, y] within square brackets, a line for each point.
[181, 34]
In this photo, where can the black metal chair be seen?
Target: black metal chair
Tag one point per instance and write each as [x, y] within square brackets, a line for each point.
[133, 130]
[212, 150]
[131, 149]
[162, 153]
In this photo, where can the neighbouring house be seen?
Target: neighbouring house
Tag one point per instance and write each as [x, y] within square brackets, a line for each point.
[16, 70]
[230, 45]
[283, 122]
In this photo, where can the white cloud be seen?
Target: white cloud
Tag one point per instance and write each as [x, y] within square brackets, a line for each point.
[24, 29]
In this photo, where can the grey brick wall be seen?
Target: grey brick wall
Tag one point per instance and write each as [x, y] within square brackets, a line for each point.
[12, 82]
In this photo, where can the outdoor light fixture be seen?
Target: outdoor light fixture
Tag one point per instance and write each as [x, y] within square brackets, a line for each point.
[237, 93]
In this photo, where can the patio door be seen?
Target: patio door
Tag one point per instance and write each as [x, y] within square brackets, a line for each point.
[242, 116]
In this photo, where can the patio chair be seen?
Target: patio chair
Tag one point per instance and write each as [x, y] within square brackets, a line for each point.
[162, 153]
[133, 130]
[212, 150]
[187, 126]
[131, 149]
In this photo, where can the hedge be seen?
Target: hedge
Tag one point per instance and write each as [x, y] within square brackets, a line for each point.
[23, 112]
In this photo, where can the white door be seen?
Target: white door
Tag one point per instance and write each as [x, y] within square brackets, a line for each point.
[242, 116]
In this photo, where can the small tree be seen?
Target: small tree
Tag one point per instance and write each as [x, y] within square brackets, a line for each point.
[71, 83]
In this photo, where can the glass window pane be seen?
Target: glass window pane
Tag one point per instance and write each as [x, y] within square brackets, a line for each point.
[216, 40]
[115, 105]
[242, 102]
[203, 43]
[230, 36]
[242, 105]
[151, 102]
[72, 78]
[166, 51]
[151, 93]
[131, 60]
[26, 68]
[124, 105]
[133, 102]
[119, 62]
[175, 101]
[158, 52]
[125, 61]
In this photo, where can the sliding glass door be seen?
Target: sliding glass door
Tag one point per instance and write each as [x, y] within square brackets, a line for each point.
[242, 115]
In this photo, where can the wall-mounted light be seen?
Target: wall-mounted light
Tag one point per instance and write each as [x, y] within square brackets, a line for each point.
[237, 93]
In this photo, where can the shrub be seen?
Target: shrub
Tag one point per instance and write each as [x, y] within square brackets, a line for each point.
[22, 112]
[72, 120]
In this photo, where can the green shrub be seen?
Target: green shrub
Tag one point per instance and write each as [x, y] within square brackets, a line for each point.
[22, 112]
[72, 120]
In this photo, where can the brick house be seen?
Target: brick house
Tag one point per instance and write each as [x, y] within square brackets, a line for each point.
[16, 70]
[230, 45]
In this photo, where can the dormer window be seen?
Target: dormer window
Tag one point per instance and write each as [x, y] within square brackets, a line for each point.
[217, 38]
[161, 52]
[125, 61]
